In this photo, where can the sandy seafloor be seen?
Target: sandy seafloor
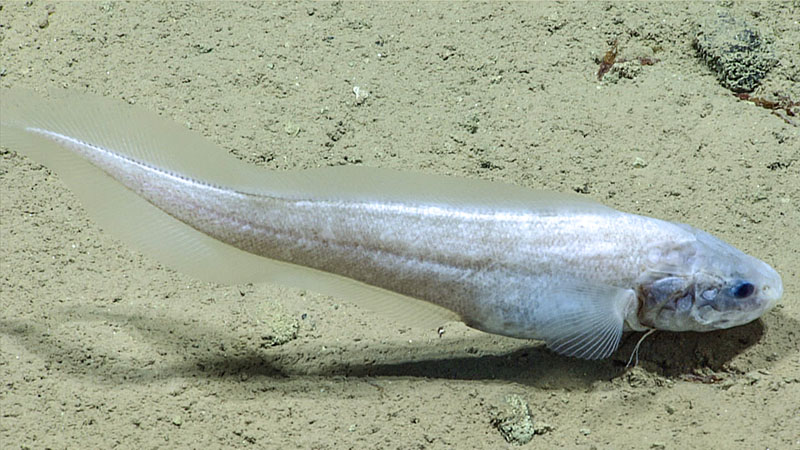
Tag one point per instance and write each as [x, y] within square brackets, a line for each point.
[101, 347]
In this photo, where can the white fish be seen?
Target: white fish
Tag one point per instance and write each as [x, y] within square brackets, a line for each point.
[503, 259]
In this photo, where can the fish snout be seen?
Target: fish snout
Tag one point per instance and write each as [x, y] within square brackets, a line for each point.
[771, 289]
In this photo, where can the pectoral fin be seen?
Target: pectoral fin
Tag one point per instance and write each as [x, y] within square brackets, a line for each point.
[585, 320]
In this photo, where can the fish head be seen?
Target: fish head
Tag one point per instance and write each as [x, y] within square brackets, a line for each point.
[705, 284]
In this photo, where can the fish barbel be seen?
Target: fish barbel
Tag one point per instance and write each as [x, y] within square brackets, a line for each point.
[503, 259]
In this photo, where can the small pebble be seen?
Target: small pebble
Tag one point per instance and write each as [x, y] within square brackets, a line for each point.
[361, 94]
[514, 421]
[542, 428]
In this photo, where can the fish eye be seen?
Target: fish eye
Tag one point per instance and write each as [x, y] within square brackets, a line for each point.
[743, 290]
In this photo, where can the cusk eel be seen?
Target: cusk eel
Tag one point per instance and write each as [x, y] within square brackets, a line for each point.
[503, 259]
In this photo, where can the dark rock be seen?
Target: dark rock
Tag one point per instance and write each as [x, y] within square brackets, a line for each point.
[735, 50]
